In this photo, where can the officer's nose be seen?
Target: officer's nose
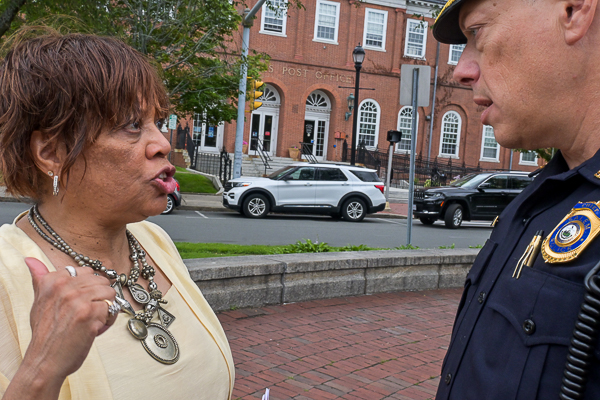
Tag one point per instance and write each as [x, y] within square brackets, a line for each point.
[467, 71]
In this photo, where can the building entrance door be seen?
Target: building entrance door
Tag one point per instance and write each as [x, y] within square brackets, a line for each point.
[263, 131]
[316, 123]
[208, 138]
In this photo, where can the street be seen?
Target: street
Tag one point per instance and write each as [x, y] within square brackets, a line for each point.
[228, 227]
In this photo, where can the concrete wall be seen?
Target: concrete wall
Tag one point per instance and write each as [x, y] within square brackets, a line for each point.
[254, 281]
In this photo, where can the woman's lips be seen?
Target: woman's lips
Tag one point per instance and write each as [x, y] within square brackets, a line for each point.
[166, 183]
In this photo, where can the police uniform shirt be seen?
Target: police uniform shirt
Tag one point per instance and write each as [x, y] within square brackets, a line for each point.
[511, 336]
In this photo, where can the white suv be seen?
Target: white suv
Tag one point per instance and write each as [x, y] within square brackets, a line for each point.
[338, 190]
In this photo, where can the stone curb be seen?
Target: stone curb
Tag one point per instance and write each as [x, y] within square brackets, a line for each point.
[255, 281]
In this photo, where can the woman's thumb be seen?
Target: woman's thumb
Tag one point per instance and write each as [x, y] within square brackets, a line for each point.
[36, 268]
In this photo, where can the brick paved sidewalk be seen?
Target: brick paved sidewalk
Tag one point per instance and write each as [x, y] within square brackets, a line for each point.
[385, 346]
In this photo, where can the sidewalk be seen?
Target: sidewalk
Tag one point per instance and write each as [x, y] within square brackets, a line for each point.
[385, 346]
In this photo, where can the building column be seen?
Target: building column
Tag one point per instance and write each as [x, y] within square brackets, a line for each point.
[398, 42]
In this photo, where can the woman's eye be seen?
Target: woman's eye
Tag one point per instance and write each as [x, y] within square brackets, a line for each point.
[134, 126]
[160, 123]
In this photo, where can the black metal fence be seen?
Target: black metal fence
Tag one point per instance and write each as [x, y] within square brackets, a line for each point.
[428, 172]
[218, 164]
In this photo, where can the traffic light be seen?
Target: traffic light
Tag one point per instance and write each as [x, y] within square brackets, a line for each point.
[254, 94]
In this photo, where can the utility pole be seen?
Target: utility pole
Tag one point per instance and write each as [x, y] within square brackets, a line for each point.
[247, 23]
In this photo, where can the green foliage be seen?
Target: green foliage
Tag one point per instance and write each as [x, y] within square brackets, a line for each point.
[190, 42]
[447, 247]
[194, 183]
[544, 154]
[360, 247]
[406, 247]
[478, 246]
[307, 247]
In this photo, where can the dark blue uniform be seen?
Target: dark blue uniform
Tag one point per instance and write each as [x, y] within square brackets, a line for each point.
[511, 336]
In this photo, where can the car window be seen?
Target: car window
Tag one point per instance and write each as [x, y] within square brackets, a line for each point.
[281, 172]
[498, 182]
[469, 181]
[366, 176]
[519, 182]
[331, 174]
[302, 174]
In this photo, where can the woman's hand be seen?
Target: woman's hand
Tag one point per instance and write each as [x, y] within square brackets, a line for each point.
[67, 315]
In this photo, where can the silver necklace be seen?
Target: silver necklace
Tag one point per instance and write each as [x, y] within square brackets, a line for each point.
[156, 339]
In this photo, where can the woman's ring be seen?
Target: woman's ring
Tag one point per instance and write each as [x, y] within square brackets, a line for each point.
[113, 308]
[71, 271]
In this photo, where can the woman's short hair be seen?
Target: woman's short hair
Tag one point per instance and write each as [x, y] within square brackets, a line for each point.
[71, 87]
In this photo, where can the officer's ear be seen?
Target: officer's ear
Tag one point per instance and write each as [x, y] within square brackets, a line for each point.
[576, 18]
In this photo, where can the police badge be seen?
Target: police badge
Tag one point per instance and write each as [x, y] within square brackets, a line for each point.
[573, 234]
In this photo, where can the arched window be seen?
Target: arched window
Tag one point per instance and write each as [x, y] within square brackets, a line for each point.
[318, 101]
[270, 97]
[368, 123]
[450, 138]
[405, 126]
[490, 149]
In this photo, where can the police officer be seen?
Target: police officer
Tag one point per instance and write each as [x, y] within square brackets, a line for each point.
[534, 67]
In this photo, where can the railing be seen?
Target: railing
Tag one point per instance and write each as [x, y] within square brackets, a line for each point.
[264, 156]
[427, 172]
[306, 151]
[218, 164]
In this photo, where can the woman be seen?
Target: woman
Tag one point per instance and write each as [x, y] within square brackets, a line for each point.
[80, 120]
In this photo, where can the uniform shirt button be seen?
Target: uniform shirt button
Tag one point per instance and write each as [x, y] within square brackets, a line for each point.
[525, 220]
[448, 378]
[529, 327]
[481, 297]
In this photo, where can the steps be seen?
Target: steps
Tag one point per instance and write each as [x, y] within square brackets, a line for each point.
[255, 166]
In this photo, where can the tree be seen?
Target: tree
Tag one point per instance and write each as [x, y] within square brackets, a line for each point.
[191, 41]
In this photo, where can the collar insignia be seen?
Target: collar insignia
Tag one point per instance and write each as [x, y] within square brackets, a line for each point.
[597, 174]
[573, 234]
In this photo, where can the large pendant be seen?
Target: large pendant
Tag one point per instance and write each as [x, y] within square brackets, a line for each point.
[161, 345]
[139, 293]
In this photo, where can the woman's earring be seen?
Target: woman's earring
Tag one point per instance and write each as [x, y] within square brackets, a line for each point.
[55, 186]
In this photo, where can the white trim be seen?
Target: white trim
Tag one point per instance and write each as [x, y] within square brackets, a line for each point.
[282, 11]
[396, 147]
[384, 34]
[456, 154]
[532, 163]
[377, 122]
[488, 159]
[415, 22]
[200, 142]
[450, 51]
[337, 22]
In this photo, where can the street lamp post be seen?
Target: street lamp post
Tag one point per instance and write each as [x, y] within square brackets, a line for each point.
[359, 56]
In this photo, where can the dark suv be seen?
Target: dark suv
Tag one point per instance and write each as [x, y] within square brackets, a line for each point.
[480, 196]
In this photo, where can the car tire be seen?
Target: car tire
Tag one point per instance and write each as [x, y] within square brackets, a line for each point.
[170, 205]
[427, 220]
[256, 206]
[454, 216]
[354, 210]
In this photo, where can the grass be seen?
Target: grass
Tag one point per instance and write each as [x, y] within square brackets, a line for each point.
[193, 183]
[207, 250]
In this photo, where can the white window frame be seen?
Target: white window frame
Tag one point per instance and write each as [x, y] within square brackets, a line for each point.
[377, 122]
[337, 22]
[486, 129]
[526, 162]
[282, 16]
[385, 16]
[413, 22]
[397, 148]
[453, 48]
[447, 155]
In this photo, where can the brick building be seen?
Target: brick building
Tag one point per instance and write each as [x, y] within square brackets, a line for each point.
[311, 57]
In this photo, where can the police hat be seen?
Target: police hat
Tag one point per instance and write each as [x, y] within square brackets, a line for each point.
[446, 28]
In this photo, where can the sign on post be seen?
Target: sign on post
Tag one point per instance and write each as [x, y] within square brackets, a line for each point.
[406, 84]
[172, 121]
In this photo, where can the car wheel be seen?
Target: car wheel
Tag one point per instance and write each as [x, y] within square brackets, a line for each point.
[454, 216]
[427, 221]
[256, 206]
[170, 205]
[354, 210]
